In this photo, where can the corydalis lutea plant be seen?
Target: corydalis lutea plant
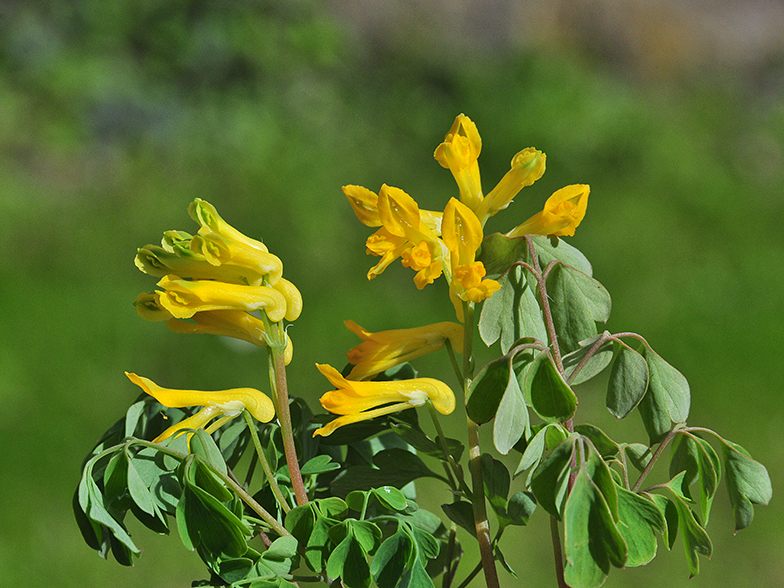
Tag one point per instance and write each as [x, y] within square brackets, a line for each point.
[335, 499]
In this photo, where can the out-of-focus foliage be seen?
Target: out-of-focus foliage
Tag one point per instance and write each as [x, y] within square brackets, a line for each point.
[114, 115]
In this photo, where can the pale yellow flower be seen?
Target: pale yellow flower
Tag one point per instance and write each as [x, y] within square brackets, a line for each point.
[527, 167]
[227, 404]
[360, 401]
[380, 351]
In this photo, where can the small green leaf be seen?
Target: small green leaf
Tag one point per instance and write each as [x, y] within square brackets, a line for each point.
[349, 562]
[391, 498]
[552, 248]
[592, 543]
[600, 475]
[391, 560]
[695, 539]
[203, 445]
[533, 452]
[319, 465]
[578, 302]
[748, 483]
[628, 381]
[699, 461]
[513, 312]
[668, 398]
[511, 420]
[367, 534]
[550, 396]
[520, 508]
[487, 389]
[138, 490]
[496, 481]
[462, 514]
[550, 480]
[640, 521]
[592, 366]
[604, 445]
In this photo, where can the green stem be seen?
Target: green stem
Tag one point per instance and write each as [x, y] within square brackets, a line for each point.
[455, 468]
[281, 393]
[265, 464]
[475, 459]
[557, 552]
[654, 458]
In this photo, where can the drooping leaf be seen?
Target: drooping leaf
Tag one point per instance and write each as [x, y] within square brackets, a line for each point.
[462, 514]
[549, 395]
[604, 445]
[640, 521]
[695, 538]
[521, 506]
[592, 543]
[667, 400]
[513, 312]
[578, 302]
[391, 560]
[699, 461]
[511, 420]
[487, 389]
[549, 482]
[496, 481]
[592, 366]
[628, 381]
[748, 483]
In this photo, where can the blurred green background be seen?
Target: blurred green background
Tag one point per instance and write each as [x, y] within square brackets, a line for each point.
[115, 115]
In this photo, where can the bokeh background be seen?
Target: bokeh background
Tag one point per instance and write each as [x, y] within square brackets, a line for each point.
[115, 115]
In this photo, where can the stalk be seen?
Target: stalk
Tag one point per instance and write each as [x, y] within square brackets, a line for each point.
[265, 464]
[475, 462]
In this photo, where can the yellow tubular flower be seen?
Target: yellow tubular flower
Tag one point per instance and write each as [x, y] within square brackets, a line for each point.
[292, 296]
[148, 308]
[380, 351]
[527, 167]
[219, 251]
[459, 153]
[228, 403]
[360, 401]
[183, 298]
[207, 216]
[159, 262]
[365, 205]
[229, 323]
[562, 214]
[462, 234]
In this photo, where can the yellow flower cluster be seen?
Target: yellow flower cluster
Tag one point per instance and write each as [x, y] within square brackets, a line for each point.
[213, 282]
[434, 243]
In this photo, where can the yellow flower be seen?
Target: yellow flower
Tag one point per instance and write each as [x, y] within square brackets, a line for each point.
[361, 401]
[459, 153]
[211, 222]
[562, 214]
[183, 298]
[292, 297]
[527, 167]
[380, 351]
[405, 234]
[188, 263]
[462, 235]
[365, 205]
[148, 308]
[224, 403]
[229, 323]
[224, 253]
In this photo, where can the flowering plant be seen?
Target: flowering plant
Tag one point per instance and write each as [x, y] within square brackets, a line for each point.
[335, 501]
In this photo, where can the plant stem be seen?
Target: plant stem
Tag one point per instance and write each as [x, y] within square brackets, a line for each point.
[281, 393]
[265, 464]
[654, 458]
[557, 552]
[475, 459]
[455, 472]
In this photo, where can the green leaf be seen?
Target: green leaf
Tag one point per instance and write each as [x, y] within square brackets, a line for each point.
[521, 506]
[391, 498]
[640, 521]
[695, 539]
[667, 507]
[499, 253]
[319, 465]
[115, 483]
[592, 543]
[396, 467]
[418, 577]
[391, 560]
[594, 365]
[638, 454]
[668, 398]
[534, 451]
[138, 490]
[462, 514]
[699, 461]
[513, 312]
[511, 419]
[748, 483]
[349, 562]
[549, 482]
[367, 534]
[628, 381]
[601, 441]
[578, 302]
[487, 389]
[496, 482]
[550, 396]
[203, 445]
[552, 248]
[299, 522]
[600, 475]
